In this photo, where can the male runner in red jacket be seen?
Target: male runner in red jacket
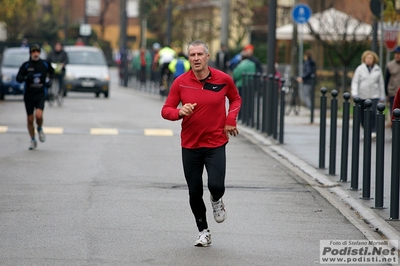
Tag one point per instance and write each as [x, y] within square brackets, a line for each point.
[206, 126]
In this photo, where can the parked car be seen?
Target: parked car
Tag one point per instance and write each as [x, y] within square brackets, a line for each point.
[11, 62]
[87, 70]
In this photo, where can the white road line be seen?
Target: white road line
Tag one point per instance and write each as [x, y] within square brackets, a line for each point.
[104, 131]
[158, 132]
[3, 129]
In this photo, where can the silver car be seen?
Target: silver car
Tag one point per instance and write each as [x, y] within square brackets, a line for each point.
[10, 64]
[87, 70]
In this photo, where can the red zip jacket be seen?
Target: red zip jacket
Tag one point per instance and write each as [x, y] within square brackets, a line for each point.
[205, 127]
[396, 102]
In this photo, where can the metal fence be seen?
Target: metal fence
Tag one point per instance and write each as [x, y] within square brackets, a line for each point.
[263, 108]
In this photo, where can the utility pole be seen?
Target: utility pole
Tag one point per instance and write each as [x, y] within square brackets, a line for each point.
[169, 26]
[143, 31]
[66, 19]
[225, 22]
[123, 46]
[85, 21]
[294, 48]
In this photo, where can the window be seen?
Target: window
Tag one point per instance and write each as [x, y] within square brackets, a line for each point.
[93, 7]
[132, 8]
[86, 58]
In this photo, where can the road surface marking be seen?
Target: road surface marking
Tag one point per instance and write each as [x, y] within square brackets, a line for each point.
[104, 131]
[53, 130]
[3, 129]
[158, 132]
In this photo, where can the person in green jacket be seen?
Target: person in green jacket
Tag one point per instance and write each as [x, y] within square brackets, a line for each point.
[142, 64]
[179, 65]
[246, 66]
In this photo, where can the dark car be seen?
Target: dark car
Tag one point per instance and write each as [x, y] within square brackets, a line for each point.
[12, 60]
[87, 70]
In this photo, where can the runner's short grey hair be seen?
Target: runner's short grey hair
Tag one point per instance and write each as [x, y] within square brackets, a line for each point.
[197, 43]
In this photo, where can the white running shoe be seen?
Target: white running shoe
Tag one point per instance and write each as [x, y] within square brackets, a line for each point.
[42, 136]
[33, 144]
[218, 210]
[204, 239]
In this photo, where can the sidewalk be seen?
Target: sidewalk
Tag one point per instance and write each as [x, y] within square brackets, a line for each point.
[301, 149]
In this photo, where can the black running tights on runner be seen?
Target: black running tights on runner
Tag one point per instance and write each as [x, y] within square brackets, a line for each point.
[194, 161]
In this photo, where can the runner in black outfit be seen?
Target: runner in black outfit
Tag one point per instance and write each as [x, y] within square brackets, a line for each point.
[34, 73]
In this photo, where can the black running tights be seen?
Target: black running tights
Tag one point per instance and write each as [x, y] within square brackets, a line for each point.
[194, 161]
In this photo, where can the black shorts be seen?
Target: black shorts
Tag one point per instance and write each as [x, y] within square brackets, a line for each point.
[33, 102]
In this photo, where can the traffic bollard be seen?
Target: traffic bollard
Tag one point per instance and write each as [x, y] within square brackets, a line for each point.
[366, 187]
[275, 109]
[312, 98]
[258, 101]
[322, 129]
[380, 155]
[264, 105]
[241, 90]
[394, 182]
[270, 107]
[246, 93]
[332, 143]
[345, 138]
[281, 114]
[355, 147]
[253, 89]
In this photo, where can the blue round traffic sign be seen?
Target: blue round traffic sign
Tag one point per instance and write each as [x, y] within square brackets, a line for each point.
[301, 13]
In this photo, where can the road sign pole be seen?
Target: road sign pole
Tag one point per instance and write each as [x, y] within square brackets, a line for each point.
[301, 48]
[301, 13]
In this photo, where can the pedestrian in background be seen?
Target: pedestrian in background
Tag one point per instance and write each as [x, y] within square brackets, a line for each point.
[164, 57]
[142, 64]
[179, 65]
[222, 58]
[155, 74]
[59, 59]
[367, 83]
[246, 66]
[34, 73]
[249, 50]
[307, 79]
[47, 47]
[79, 42]
[206, 126]
[396, 104]
[392, 77]
[24, 43]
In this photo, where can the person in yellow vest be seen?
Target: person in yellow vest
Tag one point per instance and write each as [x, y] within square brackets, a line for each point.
[179, 65]
[164, 57]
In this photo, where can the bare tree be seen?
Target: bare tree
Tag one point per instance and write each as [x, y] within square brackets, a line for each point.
[194, 20]
[102, 16]
[341, 36]
[241, 20]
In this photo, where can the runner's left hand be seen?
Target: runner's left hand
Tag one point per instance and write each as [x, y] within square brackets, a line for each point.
[231, 130]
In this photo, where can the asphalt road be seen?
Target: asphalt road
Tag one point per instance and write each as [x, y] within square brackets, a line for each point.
[107, 188]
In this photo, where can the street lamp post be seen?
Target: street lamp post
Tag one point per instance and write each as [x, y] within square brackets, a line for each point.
[271, 64]
[169, 15]
[123, 45]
